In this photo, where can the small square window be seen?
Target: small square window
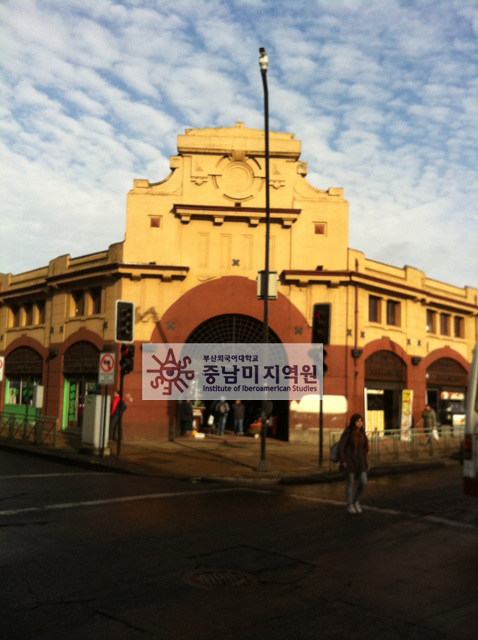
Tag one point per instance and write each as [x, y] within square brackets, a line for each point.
[458, 327]
[393, 313]
[40, 312]
[444, 324]
[320, 228]
[28, 314]
[154, 222]
[374, 309]
[78, 304]
[15, 316]
[95, 295]
[431, 321]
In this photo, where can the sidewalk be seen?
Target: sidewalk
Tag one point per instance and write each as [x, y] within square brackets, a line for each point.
[227, 459]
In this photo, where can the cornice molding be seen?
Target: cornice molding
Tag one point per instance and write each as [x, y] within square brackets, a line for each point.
[348, 278]
[220, 214]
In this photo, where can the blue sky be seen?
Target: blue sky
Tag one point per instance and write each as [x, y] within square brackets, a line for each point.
[383, 95]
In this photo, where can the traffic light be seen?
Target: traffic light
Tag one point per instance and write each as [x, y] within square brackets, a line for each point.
[124, 321]
[321, 328]
[127, 359]
[321, 324]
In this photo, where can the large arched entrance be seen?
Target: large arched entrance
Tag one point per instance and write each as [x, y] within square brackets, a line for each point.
[385, 378]
[238, 328]
[447, 381]
[23, 371]
[80, 371]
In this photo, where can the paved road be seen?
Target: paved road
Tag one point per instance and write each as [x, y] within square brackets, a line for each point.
[92, 555]
[433, 496]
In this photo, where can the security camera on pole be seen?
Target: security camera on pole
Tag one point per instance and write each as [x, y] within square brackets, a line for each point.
[124, 334]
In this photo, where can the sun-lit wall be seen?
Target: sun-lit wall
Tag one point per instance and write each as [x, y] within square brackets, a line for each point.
[193, 246]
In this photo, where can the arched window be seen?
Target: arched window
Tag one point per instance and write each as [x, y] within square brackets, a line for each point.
[231, 328]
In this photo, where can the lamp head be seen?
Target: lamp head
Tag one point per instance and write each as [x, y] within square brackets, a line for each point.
[263, 60]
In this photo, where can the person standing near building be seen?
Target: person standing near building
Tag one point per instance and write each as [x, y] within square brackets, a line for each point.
[186, 417]
[353, 449]
[117, 409]
[429, 420]
[239, 411]
[222, 410]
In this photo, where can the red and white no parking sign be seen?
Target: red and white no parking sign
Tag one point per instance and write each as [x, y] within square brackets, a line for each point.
[2, 367]
[106, 371]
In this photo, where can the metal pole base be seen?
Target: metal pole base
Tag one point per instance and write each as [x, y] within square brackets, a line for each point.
[262, 466]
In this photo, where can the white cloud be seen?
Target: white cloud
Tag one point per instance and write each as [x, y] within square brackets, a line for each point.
[382, 95]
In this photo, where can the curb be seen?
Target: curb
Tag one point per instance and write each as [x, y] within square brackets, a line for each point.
[57, 455]
[111, 464]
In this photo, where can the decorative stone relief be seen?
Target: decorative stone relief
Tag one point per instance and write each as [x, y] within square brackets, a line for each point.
[275, 179]
[238, 177]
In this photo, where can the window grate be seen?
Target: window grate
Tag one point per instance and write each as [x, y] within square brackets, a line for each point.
[231, 328]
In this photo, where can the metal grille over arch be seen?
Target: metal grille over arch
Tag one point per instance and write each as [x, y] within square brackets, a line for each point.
[81, 358]
[446, 371]
[24, 360]
[385, 366]
[231, 328]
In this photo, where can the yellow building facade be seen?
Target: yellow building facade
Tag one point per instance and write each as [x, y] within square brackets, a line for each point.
[194, 244]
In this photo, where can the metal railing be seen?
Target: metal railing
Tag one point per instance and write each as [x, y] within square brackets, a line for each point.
[34, 429]
[395, 445]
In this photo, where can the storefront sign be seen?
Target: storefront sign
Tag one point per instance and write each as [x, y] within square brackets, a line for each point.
[407, 413]
[236, 371]
[452, 395]
[374, 414]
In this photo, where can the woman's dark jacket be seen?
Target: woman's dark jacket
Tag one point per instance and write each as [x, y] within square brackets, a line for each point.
[186, 412]
[356, 459]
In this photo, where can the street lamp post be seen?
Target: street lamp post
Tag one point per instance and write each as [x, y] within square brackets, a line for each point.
[263, 63]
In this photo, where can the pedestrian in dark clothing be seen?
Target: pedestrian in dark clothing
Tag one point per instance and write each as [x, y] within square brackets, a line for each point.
[239, 411]
[429, 419]
[186, 417]
[353, 449]
[117, 409]
[222, 409]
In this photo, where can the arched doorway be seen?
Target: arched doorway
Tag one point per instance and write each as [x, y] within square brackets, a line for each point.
[231, 328]
[80, 371]
[385, 378]
[238, 328]
[23, 371]
[447, 381]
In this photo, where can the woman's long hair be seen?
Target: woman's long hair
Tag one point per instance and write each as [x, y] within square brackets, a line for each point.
[358, 435]
[353, 420]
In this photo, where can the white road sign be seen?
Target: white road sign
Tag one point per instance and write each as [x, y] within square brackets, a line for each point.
[106, 372]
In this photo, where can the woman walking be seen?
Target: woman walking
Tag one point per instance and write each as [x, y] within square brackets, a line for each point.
[353, 449]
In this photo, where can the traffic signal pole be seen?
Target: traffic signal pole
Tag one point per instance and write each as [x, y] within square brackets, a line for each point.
[321, 425]
[124, 333]
[103, 422]
[263, 63]
[321, 319]
[126, 366]
[120, 417]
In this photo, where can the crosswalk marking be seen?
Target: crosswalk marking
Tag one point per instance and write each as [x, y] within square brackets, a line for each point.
[121, 499]
[30, 476]
[392, 512]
